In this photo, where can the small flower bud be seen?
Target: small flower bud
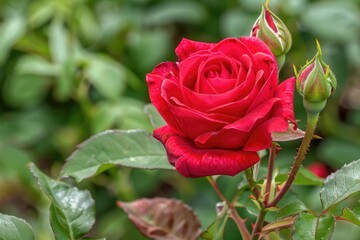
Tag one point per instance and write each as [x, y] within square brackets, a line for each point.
[315, 82]
[272, 31]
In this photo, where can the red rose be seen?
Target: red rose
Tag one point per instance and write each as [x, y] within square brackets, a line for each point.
[221, 102]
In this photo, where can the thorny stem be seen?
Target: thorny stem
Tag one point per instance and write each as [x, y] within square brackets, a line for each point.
[312, 120]
[217, 190]
[252, 184]
[258, 225]
[272, 155]
[240, 224]
[255, 191]
[233, 213]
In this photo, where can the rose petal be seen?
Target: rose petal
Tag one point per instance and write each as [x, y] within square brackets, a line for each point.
[260, 138]
[268, 65]
[171, 92]
[232, 48]
[155, 79]
[240, 129]
[191, 161]
[266, 92]
[225, 138]
[285, 91]
[256, 45]
[194, 123]
[187, 47]
[215, 74]
[213, 103]
[189, 70]
[246, 123]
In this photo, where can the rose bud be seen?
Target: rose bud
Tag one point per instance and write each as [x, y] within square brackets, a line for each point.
[315, 82]
[271, 30]
[221, 103]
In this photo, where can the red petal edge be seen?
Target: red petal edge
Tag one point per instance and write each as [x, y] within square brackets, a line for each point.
[191, 161]
[187, 47]
[285, 92]
[154, 80]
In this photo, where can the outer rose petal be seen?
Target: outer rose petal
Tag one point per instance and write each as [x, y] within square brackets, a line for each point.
[285, 92]
[241, 129]
[233, 48]
[191, 161]
[187, 47]
[260, 138]
[256, 45]
[155, 79]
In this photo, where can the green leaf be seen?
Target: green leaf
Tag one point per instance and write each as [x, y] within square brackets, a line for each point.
[33, 90]
[291, 209]
[304, 177]
[127, 113]
[32, 64]
[88, 26]
[132, 148]
[337, 21]
[25, 128]
[340, 185]
[58, 41]
[93, 238]
[216, 229]
[245, 202]
[235, 22]
[338, 152]
[13, 228]
[309, 226]
[143, 45]
[107, 76]
[65, 81]
[155, 118]
[352, 216]
[40, 13]
[14, 170]
[168, 12]
[72, 211]
[10, 31]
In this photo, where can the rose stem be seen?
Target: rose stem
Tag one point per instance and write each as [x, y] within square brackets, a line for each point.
[312, 120]
[217, 190]
[272, 155]
[233, 213]
[260, 219]
[258, 224]
[252, 183]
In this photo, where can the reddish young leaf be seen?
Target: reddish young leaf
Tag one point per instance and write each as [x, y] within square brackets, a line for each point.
[279, 224]
[163, 219]
[289, 135]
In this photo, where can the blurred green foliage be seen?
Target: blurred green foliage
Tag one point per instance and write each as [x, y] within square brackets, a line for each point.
[73, 68]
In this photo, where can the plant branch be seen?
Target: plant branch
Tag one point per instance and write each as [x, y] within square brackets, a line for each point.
[252, 184]
[233, 213]
[312, 120]
[240, 224]
[272, 155]
[255, 191]
[217, 190]
[258, 225]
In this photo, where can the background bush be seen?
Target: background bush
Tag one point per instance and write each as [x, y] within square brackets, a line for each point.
[73, 68]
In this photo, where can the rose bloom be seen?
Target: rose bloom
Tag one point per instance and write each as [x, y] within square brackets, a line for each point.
[221, 102]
